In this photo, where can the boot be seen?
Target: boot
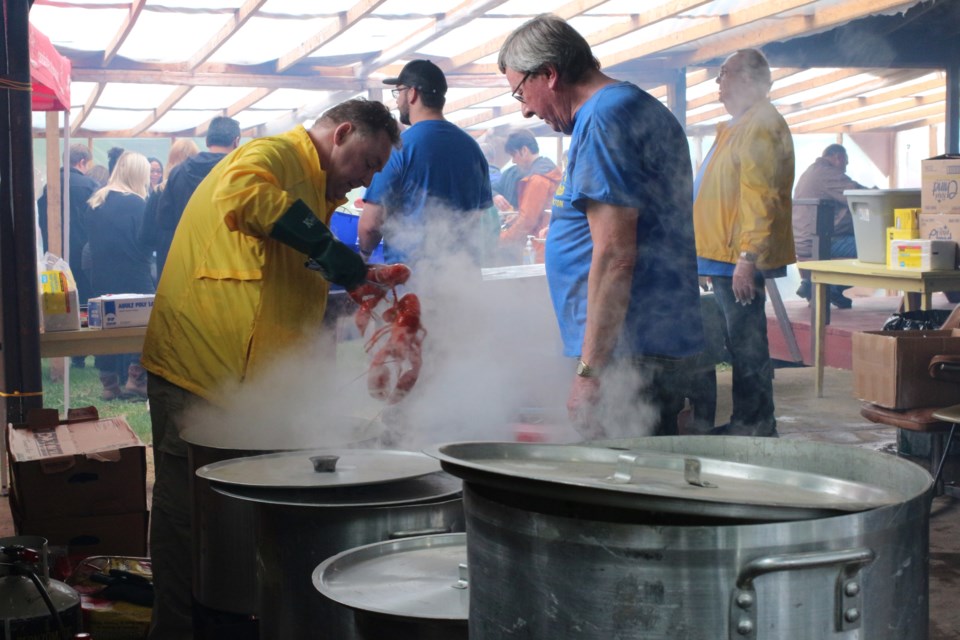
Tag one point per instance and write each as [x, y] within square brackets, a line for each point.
[111, 386]
[136, 387]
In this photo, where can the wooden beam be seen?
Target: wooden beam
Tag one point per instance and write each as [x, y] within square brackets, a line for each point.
[54, 185]
[731, 40]
[87, 107]
[704, 28]
[213, 77]
[862, 102]
[247, 101]
[345, 20]
[892, 117]
[714, 96]
[460, 15]
[136, 6]
[237, 20]
[159, 112]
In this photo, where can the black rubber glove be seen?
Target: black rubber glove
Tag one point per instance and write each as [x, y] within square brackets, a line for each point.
[300, 229]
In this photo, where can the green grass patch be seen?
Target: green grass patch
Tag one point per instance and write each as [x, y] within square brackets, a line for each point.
[85, 389]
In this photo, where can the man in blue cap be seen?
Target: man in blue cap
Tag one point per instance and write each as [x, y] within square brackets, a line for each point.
[439, 177]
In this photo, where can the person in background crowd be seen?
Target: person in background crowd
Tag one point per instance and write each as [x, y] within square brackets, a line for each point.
[120, 263]
[113, 155]
[99, 174]
[82, 187]
[534, 191]
[439, 171]
[825, 179]
[741, 216]
[490, 154]
[181, 150]
[223, 136]
[241, 246]
[620, 258]
[156, 173]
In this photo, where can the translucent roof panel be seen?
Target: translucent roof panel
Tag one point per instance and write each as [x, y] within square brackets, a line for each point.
[120, 95]
[263, 39]
[414, 7]
[113, 119]
[183, 120]
[470, 35]
[213, 97]
[78, 28]
[150, 39]
[291, 98]
[371, 34]
[299, 7]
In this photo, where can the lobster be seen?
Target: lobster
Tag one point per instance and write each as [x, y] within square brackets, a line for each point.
[402, 328]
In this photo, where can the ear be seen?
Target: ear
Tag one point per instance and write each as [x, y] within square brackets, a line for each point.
[553, 78]
[413, 95]
[341, 133]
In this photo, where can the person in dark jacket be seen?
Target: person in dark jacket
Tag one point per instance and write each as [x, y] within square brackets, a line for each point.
[121, 264]
[81, 188]
[223, 136]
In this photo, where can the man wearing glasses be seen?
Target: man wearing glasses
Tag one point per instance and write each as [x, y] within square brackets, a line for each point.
[620, 258]
[430, 197]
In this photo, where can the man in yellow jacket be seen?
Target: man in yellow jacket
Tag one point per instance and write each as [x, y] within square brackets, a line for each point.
[236, 293]
[744, 234]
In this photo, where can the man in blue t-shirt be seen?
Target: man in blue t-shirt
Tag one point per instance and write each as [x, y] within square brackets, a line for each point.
[437, 182]
[620, 257]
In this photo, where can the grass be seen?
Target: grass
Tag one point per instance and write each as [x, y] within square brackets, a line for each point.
[85, 391]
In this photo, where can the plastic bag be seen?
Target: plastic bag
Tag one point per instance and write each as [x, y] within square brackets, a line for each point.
[925, 320]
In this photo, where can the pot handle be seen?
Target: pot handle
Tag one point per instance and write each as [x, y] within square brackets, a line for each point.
[413, 533]
[848, 609]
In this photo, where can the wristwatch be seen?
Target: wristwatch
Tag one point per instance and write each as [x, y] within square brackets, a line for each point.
[584, 370]
[749, 256]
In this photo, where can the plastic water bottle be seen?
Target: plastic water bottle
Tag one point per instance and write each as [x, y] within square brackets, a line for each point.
[529, 253]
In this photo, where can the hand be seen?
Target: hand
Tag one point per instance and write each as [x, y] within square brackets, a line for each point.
[582, 407]
[744, 287]
[501, 203]
[508, 220]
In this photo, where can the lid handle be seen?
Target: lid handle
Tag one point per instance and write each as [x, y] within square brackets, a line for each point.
[628, 462]
[324, 463]
[463, 573]
[691, 474]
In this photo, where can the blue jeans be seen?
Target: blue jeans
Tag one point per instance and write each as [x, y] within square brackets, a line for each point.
[746, 327]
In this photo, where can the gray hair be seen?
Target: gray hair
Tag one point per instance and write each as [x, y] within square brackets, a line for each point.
[547, 41]
[755, 68]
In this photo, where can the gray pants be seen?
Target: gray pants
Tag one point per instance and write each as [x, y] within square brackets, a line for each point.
[171, 549]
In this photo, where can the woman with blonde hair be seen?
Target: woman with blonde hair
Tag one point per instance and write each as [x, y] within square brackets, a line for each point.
[120, 263]
[181, 150]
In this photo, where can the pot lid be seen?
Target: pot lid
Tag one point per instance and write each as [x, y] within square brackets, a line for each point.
[659, 481]
[433, 488]
[320, 468]
[424, 577]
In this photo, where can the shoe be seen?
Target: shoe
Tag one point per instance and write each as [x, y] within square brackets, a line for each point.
[839, 300]
[111, 386]
[804, 290]
[136, 386]
[722, 430]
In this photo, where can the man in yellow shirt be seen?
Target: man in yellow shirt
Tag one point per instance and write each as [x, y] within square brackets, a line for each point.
[236, 293]
[742, 222]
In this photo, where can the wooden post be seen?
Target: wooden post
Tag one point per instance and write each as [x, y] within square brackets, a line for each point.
[54, 186]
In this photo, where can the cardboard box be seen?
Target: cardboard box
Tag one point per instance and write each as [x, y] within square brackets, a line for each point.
[890, 368]
[923, 255]
[119, 310]
[81, 466]
[939, 181]
[59, 304]
[905, 218]
[894, 233]
[84, 536]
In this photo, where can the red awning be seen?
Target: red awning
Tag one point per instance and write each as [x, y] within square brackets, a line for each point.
[49, 74]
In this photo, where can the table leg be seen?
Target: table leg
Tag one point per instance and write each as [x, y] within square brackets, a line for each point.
[819, 335]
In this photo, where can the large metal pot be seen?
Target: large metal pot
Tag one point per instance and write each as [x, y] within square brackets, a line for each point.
[304, 517]
[224, 546]
[411, 589]
[567, 542]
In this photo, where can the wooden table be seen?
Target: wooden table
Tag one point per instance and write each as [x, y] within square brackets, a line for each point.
[91, 342]
[864, 274]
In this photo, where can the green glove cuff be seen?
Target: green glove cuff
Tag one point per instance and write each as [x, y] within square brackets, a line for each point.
[300, 229]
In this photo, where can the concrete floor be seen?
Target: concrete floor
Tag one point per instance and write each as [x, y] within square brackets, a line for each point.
[835, 419]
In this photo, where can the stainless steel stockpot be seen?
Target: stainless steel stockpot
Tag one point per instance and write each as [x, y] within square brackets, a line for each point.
[224, 547]
[306, 511]
[560, 547]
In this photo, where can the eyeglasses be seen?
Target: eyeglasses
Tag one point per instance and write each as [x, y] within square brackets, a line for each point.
[519, 96]
[396, 92]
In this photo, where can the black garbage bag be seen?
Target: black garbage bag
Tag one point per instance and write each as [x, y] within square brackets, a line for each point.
[925, 320]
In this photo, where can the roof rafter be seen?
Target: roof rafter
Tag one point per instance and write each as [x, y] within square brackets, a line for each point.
[158, 113]
[125, 28]
[237, 20]
[346, 20]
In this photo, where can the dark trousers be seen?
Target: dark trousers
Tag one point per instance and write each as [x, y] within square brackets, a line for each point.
[746, 327]
[665, 390]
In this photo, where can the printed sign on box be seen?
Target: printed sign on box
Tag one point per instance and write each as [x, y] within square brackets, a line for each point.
[119, 310]
[940, 183]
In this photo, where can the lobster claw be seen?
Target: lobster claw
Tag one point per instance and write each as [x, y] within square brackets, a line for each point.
[381, 278]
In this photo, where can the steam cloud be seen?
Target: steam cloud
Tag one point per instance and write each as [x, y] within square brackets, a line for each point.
[491, 357]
